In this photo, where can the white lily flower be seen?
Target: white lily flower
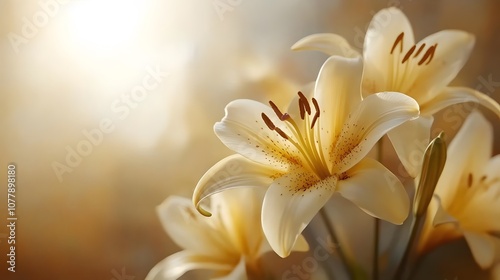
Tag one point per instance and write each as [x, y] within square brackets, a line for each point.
[228, 243]
[423, 70]
[315, 149]
[467, 196]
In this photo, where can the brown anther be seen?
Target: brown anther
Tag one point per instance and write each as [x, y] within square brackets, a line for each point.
[419, 50]
[302, 109]
[316, 115]
[268, 122]
[483, 178]
[305, 102]
[408, 54]
[285, 117]
[429, 54]
[398, 40]
[276, 110]
[469, 180]
[281, 133]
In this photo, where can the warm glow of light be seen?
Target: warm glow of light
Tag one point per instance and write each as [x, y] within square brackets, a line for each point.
[104, 25]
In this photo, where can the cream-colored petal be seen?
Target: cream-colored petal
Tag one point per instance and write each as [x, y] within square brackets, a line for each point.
[338, 93]
[231, 172]
[375, 116]
[482, 247]
[238, 273]
[483, 210]
[239, 212]
[452, 51]
[454, 95]
[176, 265]
[467, 153]
[385, 27]
[410, 140]
[189, 229]
[441, 216]
[328, 43]
[492, 168]
[290, 204]
[375, 190]
[244, 131]
[301, 245]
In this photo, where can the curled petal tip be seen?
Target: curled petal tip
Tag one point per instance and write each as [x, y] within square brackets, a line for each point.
[203, 211]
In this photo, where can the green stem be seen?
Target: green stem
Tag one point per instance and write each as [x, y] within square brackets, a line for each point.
[340, 251]
[380, 145]
[416, 225]
[376, 249]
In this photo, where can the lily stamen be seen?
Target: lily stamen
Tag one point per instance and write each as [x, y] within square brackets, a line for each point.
[268, 122]
[419, 50]
[305, 102]
[316, 115]
[429, 54]
[304, 140]
[398, 40]
[408, 54]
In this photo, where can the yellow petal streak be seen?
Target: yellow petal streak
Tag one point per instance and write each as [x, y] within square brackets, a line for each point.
[474, 193]
[304, 134]
[406, 63]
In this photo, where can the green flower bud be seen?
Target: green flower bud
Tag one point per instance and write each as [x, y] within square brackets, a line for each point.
[432, 166]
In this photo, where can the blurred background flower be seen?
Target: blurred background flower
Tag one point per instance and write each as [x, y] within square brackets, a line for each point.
[108, 108]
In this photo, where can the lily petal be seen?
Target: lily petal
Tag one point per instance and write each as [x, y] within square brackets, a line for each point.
[174, 266]
[454, 95]
[385, 27]
[301, 245]
[337, 89]
[328, 43]
[462, 159]
[483, 208]
[243, 130]
[374, 117]
[239, 272]
[231, 172]
[410, 140]
[452, 51]
[239, 212]
[493, 167]
[482, 247]
[188, 229]
[290, 204]
[377, 191]
[441, 216]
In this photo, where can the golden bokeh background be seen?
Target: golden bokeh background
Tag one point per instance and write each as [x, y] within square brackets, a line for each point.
[69, 69]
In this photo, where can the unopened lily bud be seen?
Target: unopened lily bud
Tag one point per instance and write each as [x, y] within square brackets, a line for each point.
[432, 166]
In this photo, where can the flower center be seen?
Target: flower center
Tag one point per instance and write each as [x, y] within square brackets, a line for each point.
[404, 64]
[473, 187]
[306, 140]
[483, 184]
